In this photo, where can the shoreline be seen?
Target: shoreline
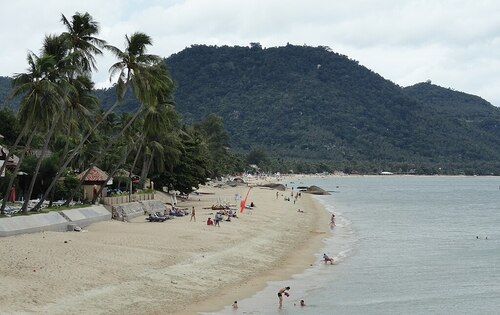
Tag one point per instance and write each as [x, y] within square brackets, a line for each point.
[175, 267]
[296, 262]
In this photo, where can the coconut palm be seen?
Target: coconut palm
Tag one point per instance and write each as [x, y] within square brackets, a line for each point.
[135, 69]
[41, 99]
[75, 92]
[162, 144]
[84, 46]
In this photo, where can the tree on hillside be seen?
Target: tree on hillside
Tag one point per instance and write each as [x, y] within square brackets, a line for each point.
[216, 139]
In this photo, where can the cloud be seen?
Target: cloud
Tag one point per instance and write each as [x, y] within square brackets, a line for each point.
[453, 43]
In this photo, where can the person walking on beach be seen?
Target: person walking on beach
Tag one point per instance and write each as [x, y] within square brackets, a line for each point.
[218, 218]
[332, 220]
[193, 215]
[280, 294]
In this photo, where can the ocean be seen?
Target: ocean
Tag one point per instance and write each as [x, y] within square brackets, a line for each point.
[402, 245]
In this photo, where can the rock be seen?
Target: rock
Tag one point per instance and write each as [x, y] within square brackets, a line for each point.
[315, 190]
[274, 186]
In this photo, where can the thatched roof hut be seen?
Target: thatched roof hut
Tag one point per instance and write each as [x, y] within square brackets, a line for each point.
[92, 182]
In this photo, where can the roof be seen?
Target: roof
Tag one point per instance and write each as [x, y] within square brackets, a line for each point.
[13, 160]
[95, 175]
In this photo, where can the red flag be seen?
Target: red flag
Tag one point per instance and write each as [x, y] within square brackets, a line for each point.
[244, 201]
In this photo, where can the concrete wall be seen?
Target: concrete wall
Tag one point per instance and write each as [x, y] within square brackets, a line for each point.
[85, 216]
[127, 211]
[152, 206]
[53, 221]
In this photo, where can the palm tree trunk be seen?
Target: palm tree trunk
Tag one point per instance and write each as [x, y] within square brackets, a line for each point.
[132, 169]
[110, 144]
[136, 156]
[75, 151]
[145, 162]
[150, 162]
[39, 163]
[113, 172]
[13, 177]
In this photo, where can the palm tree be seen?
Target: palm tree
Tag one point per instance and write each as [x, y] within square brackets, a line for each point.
[80, 36]
[162, 144]
[71, 95]
[158, 114]
[136, 69]
[41, 98]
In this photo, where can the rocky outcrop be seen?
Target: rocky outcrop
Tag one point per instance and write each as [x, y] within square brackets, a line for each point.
[315, 190]
[274, 186]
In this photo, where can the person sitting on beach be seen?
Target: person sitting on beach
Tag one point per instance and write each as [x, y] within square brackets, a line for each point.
[327, 259]
[235, 304]
[210, 222]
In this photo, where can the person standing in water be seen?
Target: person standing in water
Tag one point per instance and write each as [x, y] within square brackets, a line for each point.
[280, 294]
[332, 220]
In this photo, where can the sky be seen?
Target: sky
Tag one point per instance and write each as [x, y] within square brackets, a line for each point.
[455, 44]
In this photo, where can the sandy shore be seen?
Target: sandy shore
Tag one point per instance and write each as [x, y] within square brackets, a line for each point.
[175, 267]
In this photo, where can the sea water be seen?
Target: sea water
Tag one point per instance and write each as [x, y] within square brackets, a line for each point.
[402, 245]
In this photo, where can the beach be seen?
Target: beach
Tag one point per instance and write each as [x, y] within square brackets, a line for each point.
[174, 267]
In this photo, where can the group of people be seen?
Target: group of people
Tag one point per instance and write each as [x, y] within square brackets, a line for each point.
[218, 217]
[176, 212]
[284, 291]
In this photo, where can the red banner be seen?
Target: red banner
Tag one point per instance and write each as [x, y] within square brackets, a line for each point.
[244, 201]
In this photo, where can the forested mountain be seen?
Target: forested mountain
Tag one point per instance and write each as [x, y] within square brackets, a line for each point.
[311, 103]
[5, 85]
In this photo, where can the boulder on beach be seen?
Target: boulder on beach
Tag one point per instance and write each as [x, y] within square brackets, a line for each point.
[236, 182]
[274, 186]
[315, 190]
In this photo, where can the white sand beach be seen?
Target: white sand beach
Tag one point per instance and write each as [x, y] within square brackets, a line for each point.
[174, 267]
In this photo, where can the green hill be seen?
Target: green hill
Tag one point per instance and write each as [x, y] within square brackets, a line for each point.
[308, 102]
[5, 84]
[311, 103]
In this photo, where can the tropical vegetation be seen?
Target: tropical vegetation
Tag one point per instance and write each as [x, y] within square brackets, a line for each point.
[60, 129]
[208, 111]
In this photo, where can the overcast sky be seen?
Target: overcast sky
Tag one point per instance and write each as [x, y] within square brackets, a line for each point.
[455, 44]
